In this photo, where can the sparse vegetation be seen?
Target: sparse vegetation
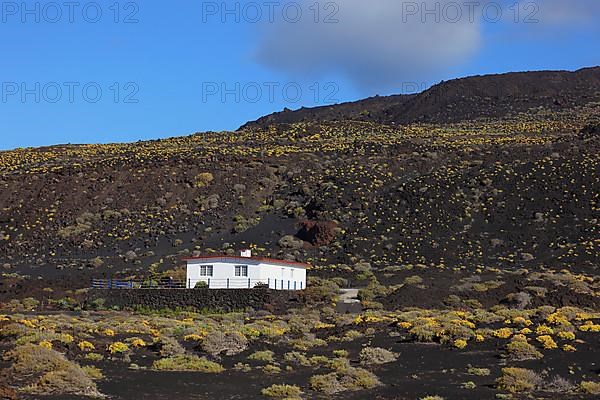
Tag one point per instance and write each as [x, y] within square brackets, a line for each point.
[471, 242]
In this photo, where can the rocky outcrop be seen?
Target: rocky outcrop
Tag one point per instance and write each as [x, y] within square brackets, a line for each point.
[317, 233]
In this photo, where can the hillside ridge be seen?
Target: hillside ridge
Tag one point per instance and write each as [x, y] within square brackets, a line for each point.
[479, 96]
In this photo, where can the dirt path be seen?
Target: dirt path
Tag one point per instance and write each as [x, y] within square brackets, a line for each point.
[349, 296]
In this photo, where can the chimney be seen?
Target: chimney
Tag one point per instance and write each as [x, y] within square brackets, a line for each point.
[246, 253]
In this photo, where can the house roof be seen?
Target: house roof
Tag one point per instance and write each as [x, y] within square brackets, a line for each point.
[226, 258]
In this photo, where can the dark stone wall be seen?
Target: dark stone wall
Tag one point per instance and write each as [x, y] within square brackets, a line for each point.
[223, 300]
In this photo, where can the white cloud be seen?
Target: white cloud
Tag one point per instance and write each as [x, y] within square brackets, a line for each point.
[378, 44]
[562, 12]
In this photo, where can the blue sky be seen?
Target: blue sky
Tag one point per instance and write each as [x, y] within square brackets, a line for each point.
[156, 69]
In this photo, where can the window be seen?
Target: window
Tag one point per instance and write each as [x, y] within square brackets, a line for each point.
[241, 270]
[206, 270]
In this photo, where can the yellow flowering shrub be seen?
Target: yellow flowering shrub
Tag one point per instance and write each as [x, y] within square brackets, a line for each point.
[503, 333]
[27, 323]
[547, 342]
[84, 345]
[193, 337]
[460, 343]
[568, 348]
[109, 332]
[137, 342]
[463, 322]
[519, 337]
[566, 335]
[250, 332]
[589, 326]
[544, 330]
[274, 331]
[557, 319]
[66, 338]
[521, 321]
[155, 332]
[118, 347]
[584, 316]
[46, 344]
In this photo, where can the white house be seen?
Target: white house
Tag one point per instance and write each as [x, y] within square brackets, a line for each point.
[245, 271]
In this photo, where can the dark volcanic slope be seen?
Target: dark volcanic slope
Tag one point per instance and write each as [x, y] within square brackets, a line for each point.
[489, 96]
[375, 109]
[505, 193]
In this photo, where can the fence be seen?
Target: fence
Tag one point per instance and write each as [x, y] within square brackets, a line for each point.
[232, 283]
[137, 284]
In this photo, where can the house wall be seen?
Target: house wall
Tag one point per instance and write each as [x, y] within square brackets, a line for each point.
[216, 300]
[280, 277]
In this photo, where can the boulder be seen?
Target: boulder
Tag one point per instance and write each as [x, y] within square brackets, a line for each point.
[131, 255]
[317, 233]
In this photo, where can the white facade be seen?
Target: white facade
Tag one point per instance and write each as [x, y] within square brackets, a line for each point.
[232, 272]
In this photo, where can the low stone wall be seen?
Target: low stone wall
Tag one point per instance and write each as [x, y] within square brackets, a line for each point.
[223, 300]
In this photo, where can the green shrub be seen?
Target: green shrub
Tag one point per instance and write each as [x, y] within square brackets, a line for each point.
[413, 280]
[230, 343]
[348, 380]
[297, 358]
[517, 380]
[58, 375]
[201, 285]
[203, 179]
[94, 357]
[187, 363]
[328, 383]
[317, 360]
[93, 372]
[288, 392]
[242, 367]
[590, 387]
[266, 356]
[65, 381]
[169, 346]
[340, 353]
[479, 371]
[376, 356]
[32, 359]
[271, 369]
[521, 350]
